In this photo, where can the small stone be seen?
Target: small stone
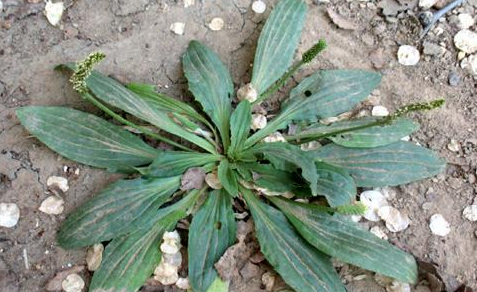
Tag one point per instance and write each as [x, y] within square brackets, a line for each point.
[395, 220]
[178, 28]
[268, 280]
[54, 11]
[247, 92]
[216, 24]
[275, 137]
[166, 274]
[470, 64]
[172, 236]
[9, 214]
[373, 200]
[258, 122]
[432, 49]
[52, 205]
[377, 58]
[58, 182]
[460, 56]
[309, 146]
[72, 283]
[379, 111]
[454, 79]
[439, 226]
[408, 55]
[213, 181]
[379, 232]
[426, 4]
[188, 3]
[94, 256]
[470, 213]
[453, 146]
[398, 287]
[174, 259]
[259, 6]
[466, 41]
[183, 283]
[464, 21]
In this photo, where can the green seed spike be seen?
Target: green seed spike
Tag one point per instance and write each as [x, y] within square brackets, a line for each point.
[354, 209]
[83, 70]
[416, 107]
[309, 55]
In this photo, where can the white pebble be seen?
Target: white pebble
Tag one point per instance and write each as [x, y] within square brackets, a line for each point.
[58, 182]
[72, 283]
[466, 41]
[54, 11]
[258, 122]
[247, 92]
[465, 20]
[178, 28]
[453, 146]
[379, 232]
[170, 247]
[439, 226]
[470, 64]
[398, 287]
[470, 213]
[174, 259]
[9, 214]
[379, 111]
[395, 220]
[188, 3]
[216, 24]
[268, 280]
[259, 6]
[373, 200]
[172, 236]
[426, 4]
[166, 274]
[213, 181]
[408, 55]
[94, 256]
[275, 137]
[1, 6]
[309, 146]
[52, 205]
[183, 283]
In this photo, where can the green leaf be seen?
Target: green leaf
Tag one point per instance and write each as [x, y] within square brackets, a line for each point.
[335, 184]
[301, 266]
[129, 260]
[266, 176]
[376, 136]
[218, 286]
[325, 94]
[277, 43]
[211, 84]
[211, 232]
[240, 123]
[281, 151]
[228, 177]
[85, 138]
[176, 162]
[345, 240]
[122, 207]
[390, 165]
[112, 92]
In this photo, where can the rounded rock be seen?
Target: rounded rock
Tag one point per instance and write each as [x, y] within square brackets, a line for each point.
[373, 200]
[395, 220]
[379, 111]
[52, 205]
[72, 283]
[178, 28]
[408, 55]
[439, 225]
[216, 24]
[58, 182]
[9, 214]
[94, 256]
[466, 41]
[258, 122]
[470, 213]
[259, 6]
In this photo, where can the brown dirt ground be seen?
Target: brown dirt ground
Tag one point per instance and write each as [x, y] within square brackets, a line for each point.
[135, 36]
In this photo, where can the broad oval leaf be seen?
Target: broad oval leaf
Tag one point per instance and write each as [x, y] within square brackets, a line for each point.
[390, 165]
[301, 266]
[266, 176]
[129, 260]
[228, 177]
[123, 206]
[324, 94]
[170, 163]
[85, 138]
[345, 240]
[335, 184]
[277, 43]
[240, 123]
[210, 82]
[114, 93]
[279, 151]
[376, 136]
[211, 232]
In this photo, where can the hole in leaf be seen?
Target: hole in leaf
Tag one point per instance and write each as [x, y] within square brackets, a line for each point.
[307, 93]
[218, 225]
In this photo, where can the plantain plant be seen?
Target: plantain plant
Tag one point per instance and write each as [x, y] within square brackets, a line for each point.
[298, 239]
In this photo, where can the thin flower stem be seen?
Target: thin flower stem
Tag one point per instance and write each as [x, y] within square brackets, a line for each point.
[97, 103]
